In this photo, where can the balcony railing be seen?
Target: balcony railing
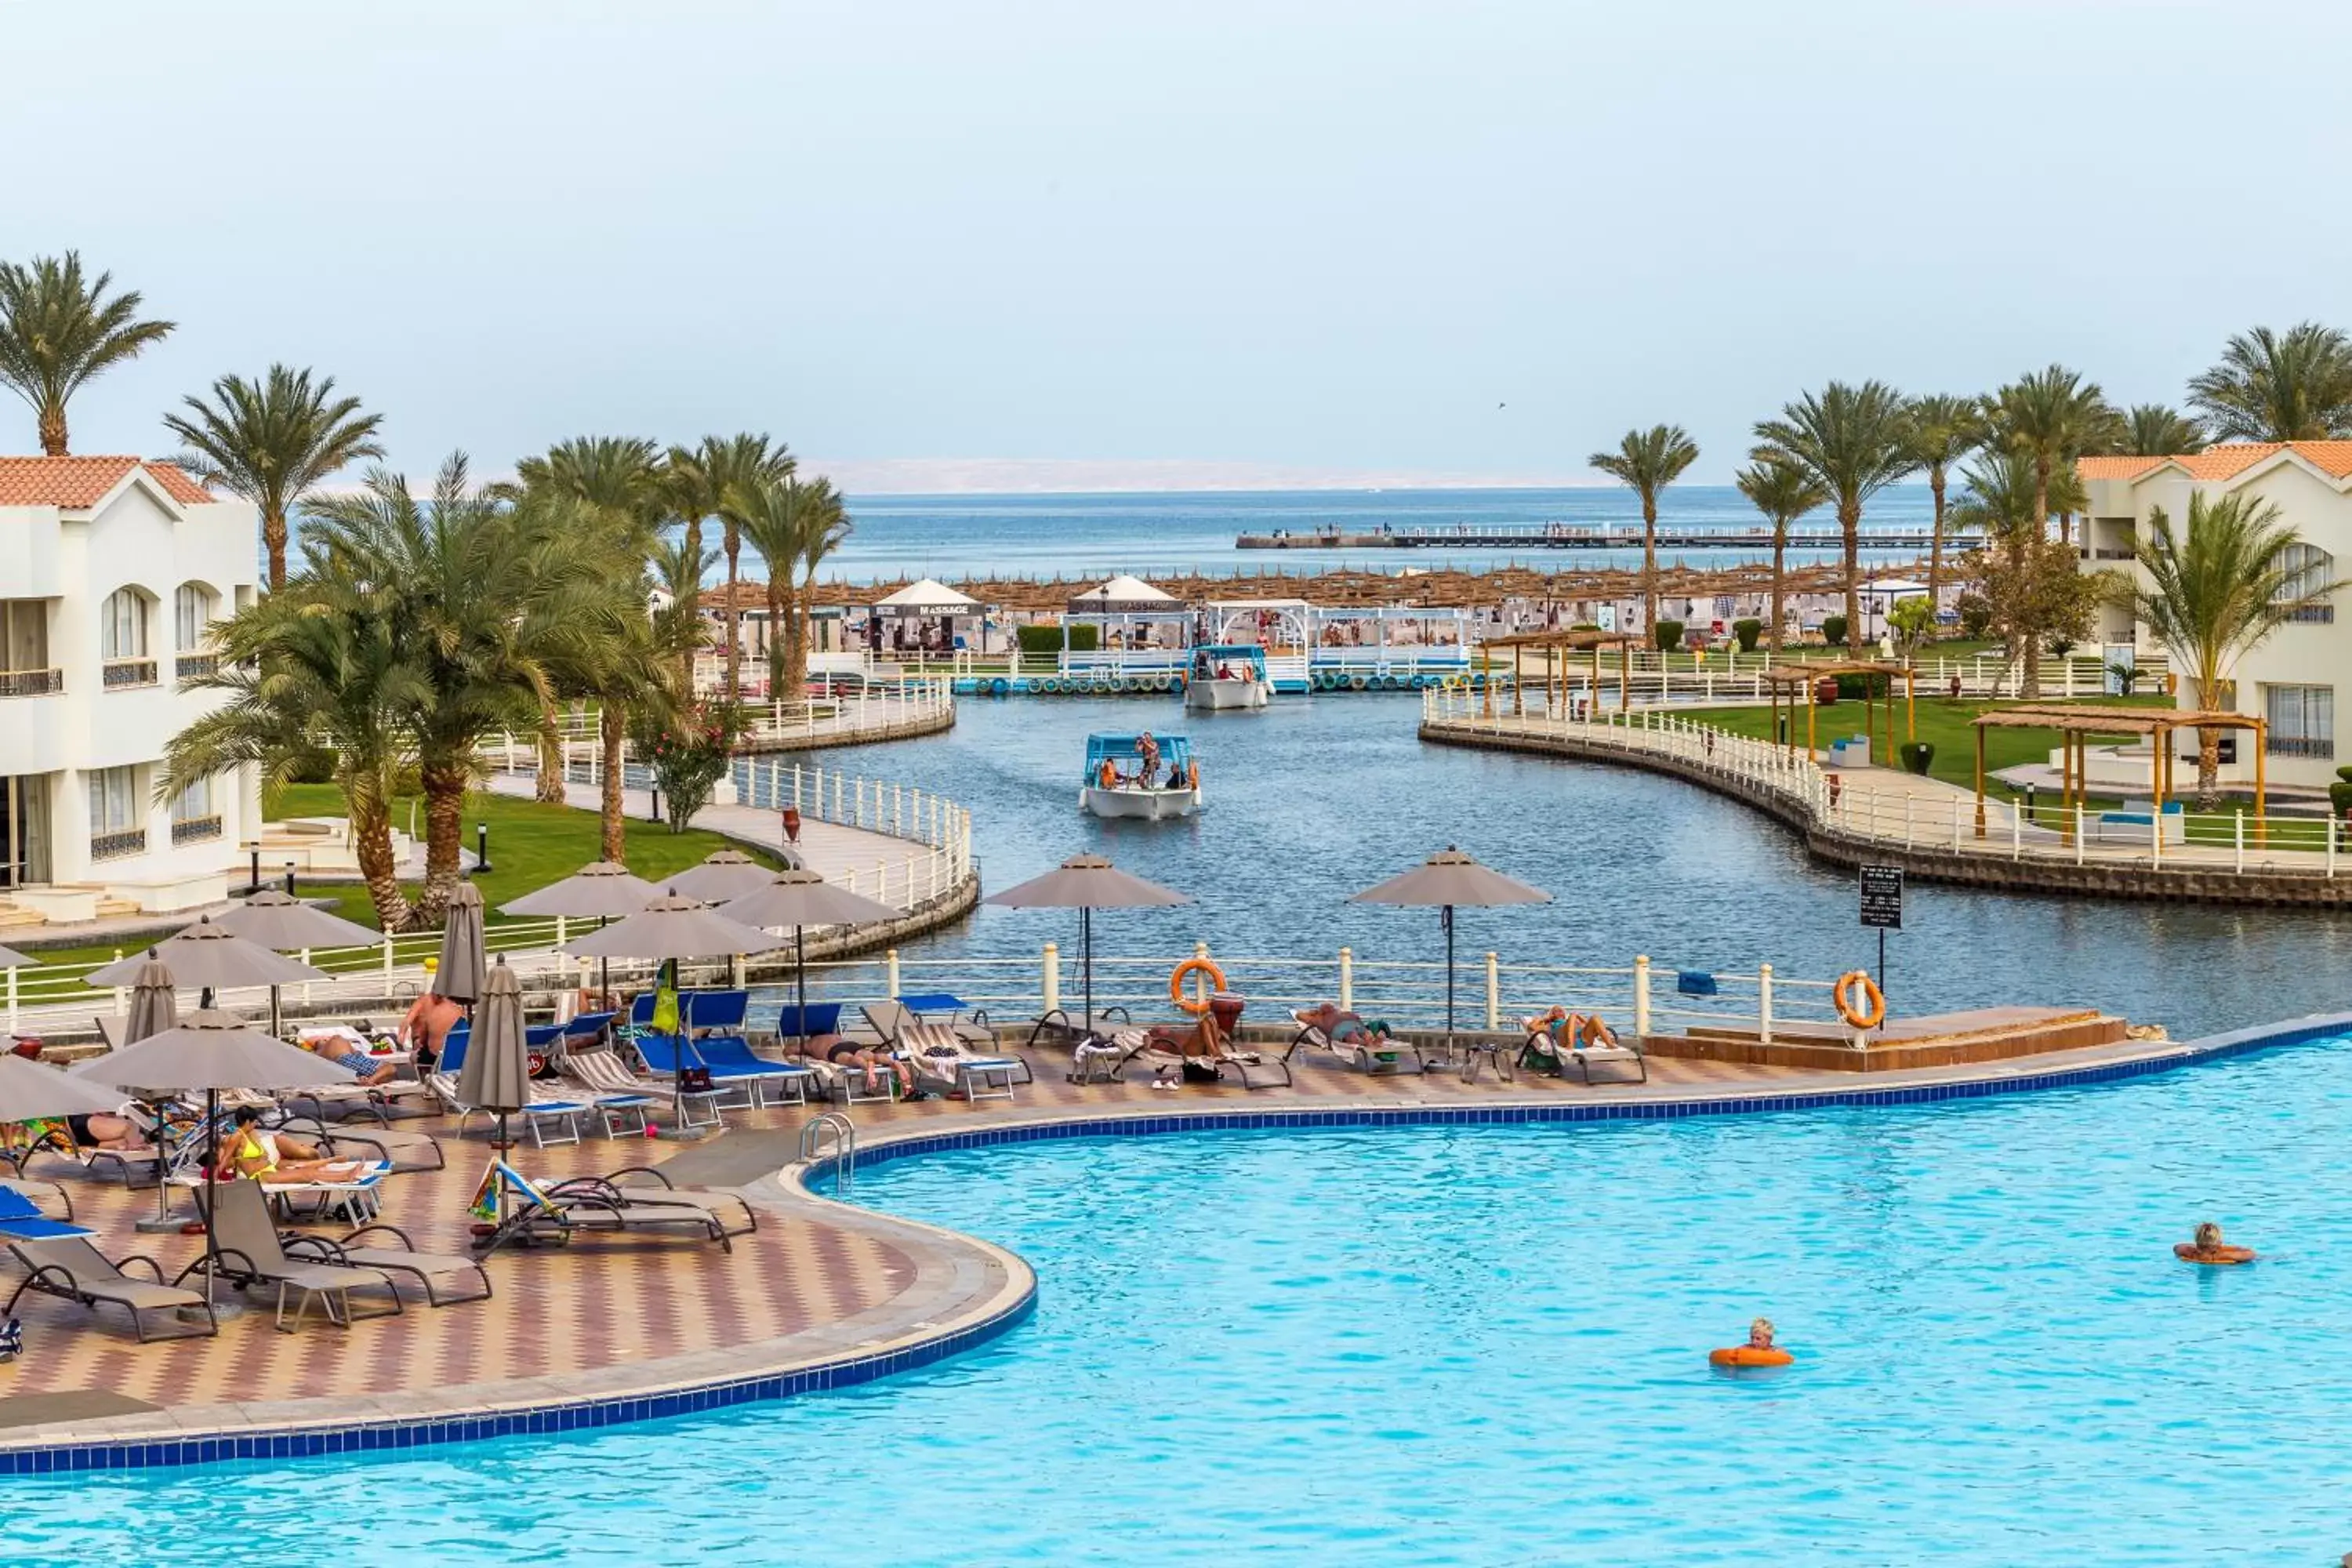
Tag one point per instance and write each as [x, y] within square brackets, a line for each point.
[31, 683]
[195, 829]
[2321, 746]
[189, 665]
[114, 846]
[119, 674]
[2316, 614]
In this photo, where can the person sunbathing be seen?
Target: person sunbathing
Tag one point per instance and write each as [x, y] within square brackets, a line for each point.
[341, 1046]
[269, 1157]
[873, 1060]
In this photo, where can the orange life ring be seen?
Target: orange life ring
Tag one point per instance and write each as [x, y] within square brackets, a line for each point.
[2213, 1258]
[1749, 1355]
[1184, 972]
[1859, 1001]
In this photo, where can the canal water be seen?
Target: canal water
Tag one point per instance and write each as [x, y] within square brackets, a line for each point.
[1318, 798]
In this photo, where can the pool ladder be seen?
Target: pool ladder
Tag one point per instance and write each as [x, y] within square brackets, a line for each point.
[837, 1130]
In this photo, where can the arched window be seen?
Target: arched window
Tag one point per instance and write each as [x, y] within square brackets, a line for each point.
[191, 612]
[122, 626]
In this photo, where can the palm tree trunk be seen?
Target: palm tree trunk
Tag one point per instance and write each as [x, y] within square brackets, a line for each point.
[1780, 579]
[1850, 524]
[2025, 636]
[371, 845]
[796, 645]
[445, 825]
[273, 539]
[549, 790]
[2209, 770]
[1650, 561]
[1936, 538]
[776, 638]
[2041, 498]
[686, 658]
[612, 732]
[732, 541]
[53, 430]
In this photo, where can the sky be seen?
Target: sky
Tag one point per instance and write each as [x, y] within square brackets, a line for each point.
[1103, 245]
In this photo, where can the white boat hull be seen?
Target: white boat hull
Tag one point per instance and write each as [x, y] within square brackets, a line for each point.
[1149, 805]
[1224, 696]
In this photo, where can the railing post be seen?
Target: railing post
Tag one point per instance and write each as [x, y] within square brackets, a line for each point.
[2238, 828]
[2156, 833]
[2331, 857]
[1346, 980]
[890, 973]
[2078, 833]
[387, 955]
[1049, 979]
[2016, 830]
[1764, 1004]
[1493, 995]
[1641, 997]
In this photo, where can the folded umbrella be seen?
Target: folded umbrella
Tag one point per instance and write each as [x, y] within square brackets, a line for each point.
[460, 975]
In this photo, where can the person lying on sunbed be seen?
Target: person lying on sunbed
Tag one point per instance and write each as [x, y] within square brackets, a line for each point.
[267, 1157]
[873, 1060]
[347, 1048]
[1336, 1023]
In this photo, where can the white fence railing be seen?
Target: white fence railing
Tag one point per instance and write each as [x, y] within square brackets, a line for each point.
[1923, 814]
[872, 708]
[930, 857]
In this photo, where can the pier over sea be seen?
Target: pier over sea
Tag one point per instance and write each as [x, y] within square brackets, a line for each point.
[1566, 536]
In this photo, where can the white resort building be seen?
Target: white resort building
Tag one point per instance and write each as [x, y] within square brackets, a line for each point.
[2291, 681]
[111, 571]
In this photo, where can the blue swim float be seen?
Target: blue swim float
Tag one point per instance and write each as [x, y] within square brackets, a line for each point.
[999, 686]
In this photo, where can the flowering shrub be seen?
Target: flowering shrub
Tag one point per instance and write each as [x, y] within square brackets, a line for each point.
[688, 754]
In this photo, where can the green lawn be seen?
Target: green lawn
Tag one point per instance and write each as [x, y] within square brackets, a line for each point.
[531, 846]
[1942, 723]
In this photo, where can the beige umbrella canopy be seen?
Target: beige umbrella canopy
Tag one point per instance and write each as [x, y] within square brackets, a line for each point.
[672, 927]
[286, 924]
[31, 1090]
[800, 898]
[599, 889]
[729, 874]
[496, 1074]
[1445, 882]
[460, 974]
[11, 959]
[213, 958]
[1086, 883]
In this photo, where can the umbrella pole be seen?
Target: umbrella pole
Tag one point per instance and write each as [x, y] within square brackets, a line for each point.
[1445, 918]
[212, 1191]
[163, 1160]
[800, 977]
[277, 1019]
[1086, 947]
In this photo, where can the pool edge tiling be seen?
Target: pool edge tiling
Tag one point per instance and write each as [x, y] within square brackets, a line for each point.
[986, 1290]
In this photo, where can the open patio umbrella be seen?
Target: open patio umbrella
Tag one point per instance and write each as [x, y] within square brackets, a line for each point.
[1445, 882]
[11, 959]
[30, 1091]
[211, 1051]
[601, 889]
[799, 899]
[1086, 883]
[156, 1008]
[729, 874]
[672, 927]
[211, 958]
[460, 975]
[286, 924]
[496, 1074]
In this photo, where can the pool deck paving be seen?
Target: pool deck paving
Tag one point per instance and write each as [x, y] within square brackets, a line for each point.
[822, 1289]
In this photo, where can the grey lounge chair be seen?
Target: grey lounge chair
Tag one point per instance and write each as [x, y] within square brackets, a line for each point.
[891, 1020]
[245, 1251]
[424, 1268]
[69, 1268]
[396, 1147]
[40, 1193]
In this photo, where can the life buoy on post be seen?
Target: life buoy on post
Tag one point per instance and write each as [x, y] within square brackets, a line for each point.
[1185, 971]
[1859, 1001]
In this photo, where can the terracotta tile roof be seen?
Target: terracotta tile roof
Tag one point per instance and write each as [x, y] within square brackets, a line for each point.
[2226, 461]
[73, 483]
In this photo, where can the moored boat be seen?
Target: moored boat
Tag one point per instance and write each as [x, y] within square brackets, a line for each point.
[1225, 677]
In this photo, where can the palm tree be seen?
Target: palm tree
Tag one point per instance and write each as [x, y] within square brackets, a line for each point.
[2029, 576]
[698, 480]
[770, 519]
[1783, 492]
[1944, 429]
[738, 464]
[2268, 387]
[2052, 416]
[1649, 460]
[2157, 430]
[270, 441]
[821, 523]
[620, 474]
[313, 675]
[2215, 595]
[474, 585]
[1852, 441]
[58, 333]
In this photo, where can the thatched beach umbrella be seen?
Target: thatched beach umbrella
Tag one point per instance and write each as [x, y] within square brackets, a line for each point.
[799, 899]
[1446, 880]
[1086, 883]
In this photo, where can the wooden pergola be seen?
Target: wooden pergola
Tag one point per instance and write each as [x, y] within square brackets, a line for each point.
[1564, 642]
[2077, 722]
[1795, 683]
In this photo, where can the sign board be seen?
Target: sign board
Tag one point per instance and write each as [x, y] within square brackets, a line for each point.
[1606, 618]
[1882, 897]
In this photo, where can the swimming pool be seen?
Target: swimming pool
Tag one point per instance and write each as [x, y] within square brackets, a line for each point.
[1488, 1346]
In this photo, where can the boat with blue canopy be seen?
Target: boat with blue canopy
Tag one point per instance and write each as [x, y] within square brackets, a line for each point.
[1140, 775]
[1225, 677]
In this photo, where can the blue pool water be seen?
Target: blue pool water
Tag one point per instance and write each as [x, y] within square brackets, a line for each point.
[1488, 1346]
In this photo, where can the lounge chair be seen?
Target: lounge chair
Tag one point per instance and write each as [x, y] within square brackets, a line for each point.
[546, 1113]
[1361, 1050]
[245, 1251]
[937, 1053]
[1544, 1048]
[717, 1019]
[1060, 1027]
[1100, 1059]
[402, 1151]
[424, 1268]
[841, 1083]
[561, 1210]
[21, 1217]
[891, 1020]
[612, 1092]
[39, 1193]
[71, 1268]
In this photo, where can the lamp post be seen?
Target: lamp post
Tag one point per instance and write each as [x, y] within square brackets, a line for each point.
[481, 848]
[253, 885]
